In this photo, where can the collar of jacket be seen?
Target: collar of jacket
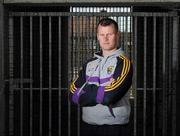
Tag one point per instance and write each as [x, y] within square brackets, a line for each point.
[116, 53]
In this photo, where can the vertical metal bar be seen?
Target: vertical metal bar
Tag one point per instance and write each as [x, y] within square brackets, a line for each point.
[41, 70]
[175, 69]
[131, 52]
[78, 41]
[31, 76]
[84, 39]
[87, 36]
[75, 65]
[123, 31]
[73, 45]
[59, 76]
[92, 34]
[135, 76]
[11, 72]
[2, 83]
[145, 74]
[130, 36]
[95, 36]
[81, 39]
[21, 76]
[116, 18]
[89, 39]
[169, 73]
[164, 125]
[154, 76]
[79, 61]
[120, 29]
[69, 70]
[50, 74]
[126, 46]
[75, 60]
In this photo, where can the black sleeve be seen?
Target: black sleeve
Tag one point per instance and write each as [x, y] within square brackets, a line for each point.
[89, 97]
[109, 94]
[122, 82]
[78, 82]
[88, 93]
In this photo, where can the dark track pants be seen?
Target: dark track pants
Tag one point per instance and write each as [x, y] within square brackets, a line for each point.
[104, 130]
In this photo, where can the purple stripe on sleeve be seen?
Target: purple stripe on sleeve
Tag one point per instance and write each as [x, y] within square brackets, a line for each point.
[104, 80]
[75, 97]
[98, 80]
[100, 94]
[92, 79]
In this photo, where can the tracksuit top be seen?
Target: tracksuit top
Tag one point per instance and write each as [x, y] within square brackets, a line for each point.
[101, 88]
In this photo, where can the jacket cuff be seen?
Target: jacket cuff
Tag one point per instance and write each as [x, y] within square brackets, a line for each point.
[76, 95]
[100, 94]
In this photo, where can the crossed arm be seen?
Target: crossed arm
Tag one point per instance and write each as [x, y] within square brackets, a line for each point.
[91, 94]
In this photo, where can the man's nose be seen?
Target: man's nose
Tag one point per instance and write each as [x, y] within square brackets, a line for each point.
[106, 36]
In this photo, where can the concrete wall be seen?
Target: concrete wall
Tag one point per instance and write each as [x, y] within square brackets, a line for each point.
[90, 1]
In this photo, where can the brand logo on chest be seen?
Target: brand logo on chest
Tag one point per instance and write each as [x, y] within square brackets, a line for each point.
[91, 68]
[110, 69]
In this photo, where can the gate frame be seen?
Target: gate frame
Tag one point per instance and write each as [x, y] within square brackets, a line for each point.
[2, 57]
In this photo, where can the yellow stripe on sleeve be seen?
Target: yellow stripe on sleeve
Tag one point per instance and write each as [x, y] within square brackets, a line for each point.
[72, 88]
[124, 73]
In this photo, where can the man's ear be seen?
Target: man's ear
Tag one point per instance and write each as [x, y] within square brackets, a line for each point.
[119, 34]
[97, 36]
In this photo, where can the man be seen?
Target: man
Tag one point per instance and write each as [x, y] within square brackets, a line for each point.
[102, 86]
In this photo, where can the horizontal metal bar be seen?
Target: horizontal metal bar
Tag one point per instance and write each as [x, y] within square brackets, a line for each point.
[150, 14]
[139, 89]
[18, 80]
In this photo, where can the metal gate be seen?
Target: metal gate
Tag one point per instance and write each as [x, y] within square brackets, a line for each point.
[46, 49]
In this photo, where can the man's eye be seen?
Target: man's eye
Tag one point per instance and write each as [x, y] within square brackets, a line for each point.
[110, 34]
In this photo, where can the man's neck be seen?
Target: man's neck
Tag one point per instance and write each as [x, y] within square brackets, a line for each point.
[108, 52]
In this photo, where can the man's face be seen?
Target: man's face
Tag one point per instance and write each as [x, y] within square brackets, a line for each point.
[107, 37]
